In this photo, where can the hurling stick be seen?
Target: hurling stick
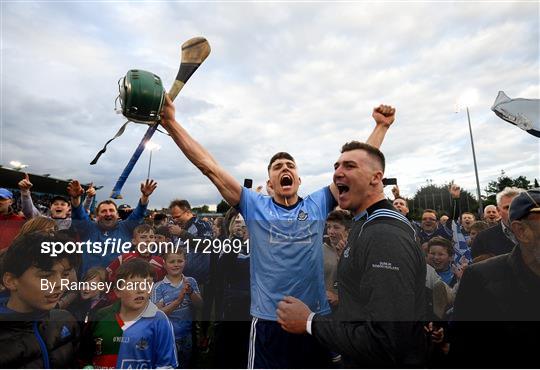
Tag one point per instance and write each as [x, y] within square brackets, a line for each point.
[194, 52]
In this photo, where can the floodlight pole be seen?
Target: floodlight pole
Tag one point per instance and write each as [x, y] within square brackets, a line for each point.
[480, 207]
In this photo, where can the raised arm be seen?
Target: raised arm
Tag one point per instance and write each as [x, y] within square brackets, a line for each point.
[28, 208]
[90, 194]
[384, 116]
[455, 192]
[227, 185]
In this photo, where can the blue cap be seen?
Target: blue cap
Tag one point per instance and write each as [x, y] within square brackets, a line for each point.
[524, 204]
[5, 194]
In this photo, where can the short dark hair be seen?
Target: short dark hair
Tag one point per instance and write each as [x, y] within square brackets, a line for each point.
[479, 226]
[371, 150]
[429, 210]
[25, 252]
[142, 228]
[180, 203]
[136, 267]
[467, 213]
[442, 242]
[163, 230]
[403, 199]
[280, 155]
[342, 217]
[159, 217]
[107, 201]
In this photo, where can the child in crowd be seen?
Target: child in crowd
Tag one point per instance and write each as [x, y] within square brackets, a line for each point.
[476, 228]
[176, 295]
[143, 239]
[441, 253]
[132, 332]
[32, 333]
[163, 235]
[89, 300]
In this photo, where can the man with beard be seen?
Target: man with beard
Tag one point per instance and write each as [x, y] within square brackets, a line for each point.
[108, 224]
[497, 308]
[381, 276]
[286, 233]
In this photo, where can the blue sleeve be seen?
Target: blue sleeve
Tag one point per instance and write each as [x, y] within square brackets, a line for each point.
[247, 199]
[78, 213]
[155, 296]
[81, 223]
[194, 285]
[138, 213]
[324, 198]
[135, 218]
[165, 351]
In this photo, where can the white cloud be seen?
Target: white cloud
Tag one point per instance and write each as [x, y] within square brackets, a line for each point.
[300, 77]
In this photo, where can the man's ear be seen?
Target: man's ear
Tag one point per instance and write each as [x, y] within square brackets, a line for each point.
[269, 184]
[299, 181]
[519, 230]
[10, 281]
[376, 178]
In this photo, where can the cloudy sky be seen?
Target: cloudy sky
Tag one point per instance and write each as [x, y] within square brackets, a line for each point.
[299, 77]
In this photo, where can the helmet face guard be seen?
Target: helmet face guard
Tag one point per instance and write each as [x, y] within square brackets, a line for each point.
[141, 96]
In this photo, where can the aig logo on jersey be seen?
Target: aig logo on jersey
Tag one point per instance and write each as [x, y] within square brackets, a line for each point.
[346, 252]
[302, 216]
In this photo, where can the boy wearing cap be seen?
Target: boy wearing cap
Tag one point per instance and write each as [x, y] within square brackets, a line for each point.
[60, 207]
[10, 222]
[497, 308]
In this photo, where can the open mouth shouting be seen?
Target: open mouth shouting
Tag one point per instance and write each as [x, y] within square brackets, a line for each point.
[286, 181]
[342, 188]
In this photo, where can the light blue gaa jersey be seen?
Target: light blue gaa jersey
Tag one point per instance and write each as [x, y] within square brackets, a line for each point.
[144, 343]
[165, 291]
[286, 250]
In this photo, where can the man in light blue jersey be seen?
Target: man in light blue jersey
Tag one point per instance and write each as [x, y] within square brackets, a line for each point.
[286, 235]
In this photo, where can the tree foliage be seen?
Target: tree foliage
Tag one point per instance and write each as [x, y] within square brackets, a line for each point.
[502, 182]
[438, 197]
[223, 207]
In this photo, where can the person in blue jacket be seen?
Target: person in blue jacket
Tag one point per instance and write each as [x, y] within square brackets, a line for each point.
[108, 225]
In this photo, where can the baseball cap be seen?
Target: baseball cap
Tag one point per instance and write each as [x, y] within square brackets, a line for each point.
[59, 197]
[5, 194]
[124, 206]
[524, 204]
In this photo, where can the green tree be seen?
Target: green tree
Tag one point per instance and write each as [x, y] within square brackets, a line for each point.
[223, 207]
[438, 197]
[502, 182]
[202, 209]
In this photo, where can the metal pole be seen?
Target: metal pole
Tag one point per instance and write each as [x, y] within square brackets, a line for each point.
[149, 164]
[480, 207]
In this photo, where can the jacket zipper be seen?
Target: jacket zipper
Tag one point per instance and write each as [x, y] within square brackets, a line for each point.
[43, 347]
